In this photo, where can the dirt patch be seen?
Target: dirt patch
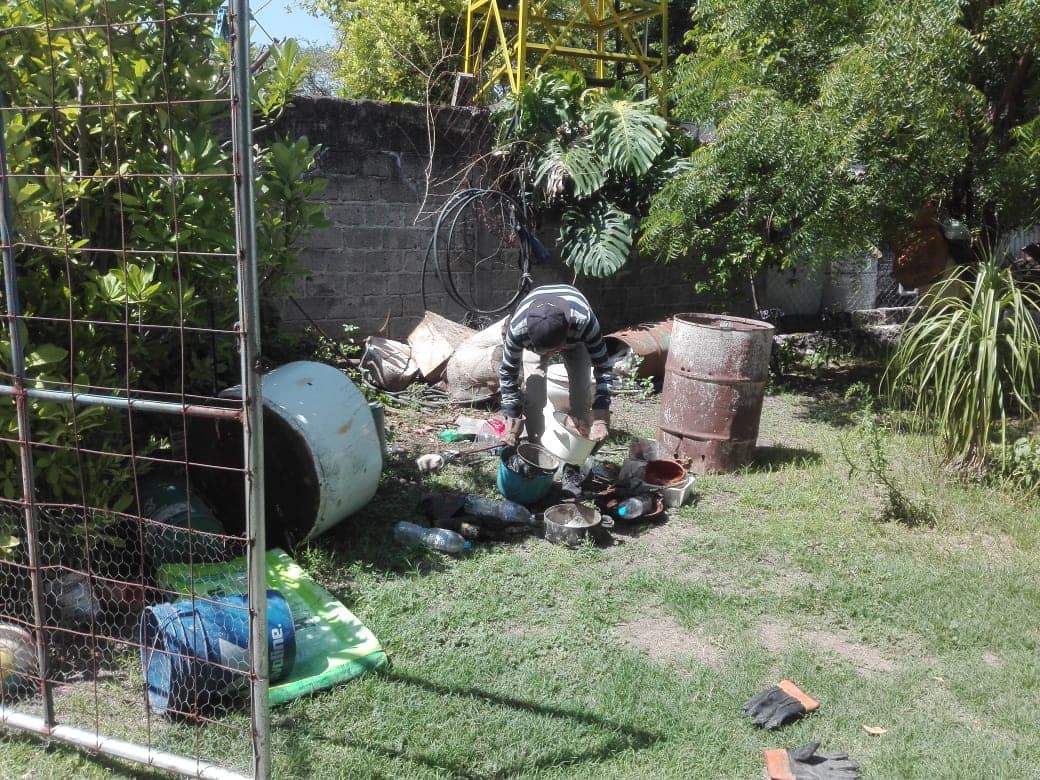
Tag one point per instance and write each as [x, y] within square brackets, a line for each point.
[658, 549]
[868, 661]
[719, 498]
[993, 544]
[660, 637]
[658, 540]
[992, 660]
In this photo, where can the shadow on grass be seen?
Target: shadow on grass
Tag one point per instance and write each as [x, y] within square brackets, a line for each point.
[827, 397]
[770, 458]
[113, 767]
[620, 737]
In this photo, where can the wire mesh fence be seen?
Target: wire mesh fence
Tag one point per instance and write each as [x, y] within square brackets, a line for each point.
[129, 304]
[890, 293]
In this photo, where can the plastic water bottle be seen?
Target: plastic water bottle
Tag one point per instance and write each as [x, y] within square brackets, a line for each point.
[635, 506]
[439, 539]
[506, 511]
[491, 430]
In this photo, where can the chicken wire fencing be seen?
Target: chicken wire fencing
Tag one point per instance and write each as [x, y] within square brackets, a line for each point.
[130, 307]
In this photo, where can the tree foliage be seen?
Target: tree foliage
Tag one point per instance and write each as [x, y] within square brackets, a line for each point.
[593, 155]
[395, 50]
[832, 124]
[119, 157]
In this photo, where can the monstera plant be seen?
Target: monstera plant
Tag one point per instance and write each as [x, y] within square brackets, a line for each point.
[594, 157]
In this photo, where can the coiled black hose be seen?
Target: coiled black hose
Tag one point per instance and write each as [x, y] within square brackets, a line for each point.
[451, 217]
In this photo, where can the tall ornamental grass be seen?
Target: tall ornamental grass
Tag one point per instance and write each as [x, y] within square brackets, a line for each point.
[969, 360]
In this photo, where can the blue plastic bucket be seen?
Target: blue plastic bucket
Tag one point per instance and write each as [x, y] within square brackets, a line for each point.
[194, 654]
[523, 489]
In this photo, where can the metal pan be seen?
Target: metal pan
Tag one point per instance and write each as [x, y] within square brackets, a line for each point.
[569, 524]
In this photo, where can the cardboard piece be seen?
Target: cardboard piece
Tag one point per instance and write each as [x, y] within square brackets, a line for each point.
[433, 341]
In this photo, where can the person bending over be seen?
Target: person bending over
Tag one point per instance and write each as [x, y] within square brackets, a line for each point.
[549, 320]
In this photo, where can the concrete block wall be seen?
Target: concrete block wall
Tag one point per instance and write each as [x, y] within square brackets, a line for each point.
[384, 190]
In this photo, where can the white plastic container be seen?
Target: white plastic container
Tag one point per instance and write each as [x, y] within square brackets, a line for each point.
[562, 442]
[851, 284]
[795, 291]
[674, 496]
[557, 387]
[322, 449]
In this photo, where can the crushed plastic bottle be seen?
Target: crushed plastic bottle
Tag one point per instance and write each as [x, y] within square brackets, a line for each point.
[439, 539]
[635, 507]
[491, 430]
[468, 426]
[506, 511]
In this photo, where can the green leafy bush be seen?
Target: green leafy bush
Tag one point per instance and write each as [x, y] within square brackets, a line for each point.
[1022, 465]
[969, 359]
[119, 213]
[865, 452]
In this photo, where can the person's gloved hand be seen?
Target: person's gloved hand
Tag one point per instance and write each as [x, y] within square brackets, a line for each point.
[600, 424]
[805, 763]
[576, 425]
[514, 427]
[779, 705]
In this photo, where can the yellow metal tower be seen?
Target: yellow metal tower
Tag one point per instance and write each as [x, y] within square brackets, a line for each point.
[508, 39]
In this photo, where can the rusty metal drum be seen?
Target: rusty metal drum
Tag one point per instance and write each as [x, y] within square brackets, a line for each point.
[711, 401]
[648, 342]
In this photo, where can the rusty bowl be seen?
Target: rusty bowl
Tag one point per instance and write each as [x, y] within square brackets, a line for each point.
[664, 473]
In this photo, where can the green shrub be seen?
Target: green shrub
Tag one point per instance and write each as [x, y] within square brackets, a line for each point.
[969, 359]
[1022, 465]
[118, 214]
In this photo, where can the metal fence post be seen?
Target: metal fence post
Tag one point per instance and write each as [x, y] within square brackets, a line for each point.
[252, 400]
[13, 315]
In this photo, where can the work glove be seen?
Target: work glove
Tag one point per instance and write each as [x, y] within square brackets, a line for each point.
[779, 705]
[576, 425]
[600, 424]
[805, 763]
[514, 427]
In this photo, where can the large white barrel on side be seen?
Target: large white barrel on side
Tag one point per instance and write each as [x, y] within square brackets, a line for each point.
[322, 452]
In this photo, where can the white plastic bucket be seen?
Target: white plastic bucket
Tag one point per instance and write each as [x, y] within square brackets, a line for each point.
[563, 443]
[673, 496]
[851, 283]
[795, 291]
[557, 387]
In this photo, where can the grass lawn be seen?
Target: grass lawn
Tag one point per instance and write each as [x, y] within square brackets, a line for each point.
[529, 660]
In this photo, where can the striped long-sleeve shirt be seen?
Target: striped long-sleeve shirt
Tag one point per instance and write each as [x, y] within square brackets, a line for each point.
[583, 327]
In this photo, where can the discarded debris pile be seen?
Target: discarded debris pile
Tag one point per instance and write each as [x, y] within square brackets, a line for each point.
[536, 498]
[464, 362]
[167, 575]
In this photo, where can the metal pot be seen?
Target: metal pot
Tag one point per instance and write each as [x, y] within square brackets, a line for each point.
[569, 524]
